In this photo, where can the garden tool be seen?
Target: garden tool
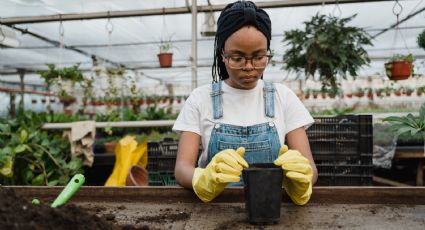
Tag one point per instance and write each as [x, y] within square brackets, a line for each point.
[298, 175]
[127, 153]
[225, 167]
[73, 185]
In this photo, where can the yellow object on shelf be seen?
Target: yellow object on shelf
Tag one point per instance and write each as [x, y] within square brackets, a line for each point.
[127, 153]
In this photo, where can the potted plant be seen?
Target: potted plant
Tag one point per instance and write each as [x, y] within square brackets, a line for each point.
[359, 92]
[397, 92]
[329, 47]
[165, 55]
[407, 91]
[420, 90]
[379, 92]
[409, 124]
[399, 67]
[388, 90]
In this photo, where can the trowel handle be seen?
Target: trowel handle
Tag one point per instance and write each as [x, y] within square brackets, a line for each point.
[73, 185]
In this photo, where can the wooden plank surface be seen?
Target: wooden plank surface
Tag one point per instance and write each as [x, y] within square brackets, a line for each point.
[167, 194]
[178, 208]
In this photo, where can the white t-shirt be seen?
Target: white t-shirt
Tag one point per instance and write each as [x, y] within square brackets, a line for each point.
[241, 108]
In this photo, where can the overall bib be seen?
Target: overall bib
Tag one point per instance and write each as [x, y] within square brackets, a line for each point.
[261, 141]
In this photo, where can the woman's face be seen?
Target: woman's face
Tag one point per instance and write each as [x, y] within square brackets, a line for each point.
[250, 42]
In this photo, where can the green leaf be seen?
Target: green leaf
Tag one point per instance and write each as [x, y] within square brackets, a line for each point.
[20, 148]
[7, 166]
[74, 164]
[5, 128]
[38, 180]
[23, 136]
[53, 182]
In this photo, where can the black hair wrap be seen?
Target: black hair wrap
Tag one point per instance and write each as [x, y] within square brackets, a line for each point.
[233, 17]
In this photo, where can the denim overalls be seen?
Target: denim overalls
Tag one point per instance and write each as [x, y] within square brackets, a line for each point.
[261, 141]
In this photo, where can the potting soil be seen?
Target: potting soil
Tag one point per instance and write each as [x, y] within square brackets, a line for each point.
[18, 213]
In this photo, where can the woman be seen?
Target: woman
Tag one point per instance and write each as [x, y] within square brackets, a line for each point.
[241, 119]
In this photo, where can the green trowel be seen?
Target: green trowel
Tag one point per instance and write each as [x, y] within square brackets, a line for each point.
[73, 185]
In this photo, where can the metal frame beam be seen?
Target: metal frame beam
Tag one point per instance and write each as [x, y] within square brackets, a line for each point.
[164, 11]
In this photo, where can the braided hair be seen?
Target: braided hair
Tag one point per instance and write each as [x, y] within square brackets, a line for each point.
[233, 17]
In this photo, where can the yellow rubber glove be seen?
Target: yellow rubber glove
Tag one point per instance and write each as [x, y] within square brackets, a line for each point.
[225, 167]
[298, 175]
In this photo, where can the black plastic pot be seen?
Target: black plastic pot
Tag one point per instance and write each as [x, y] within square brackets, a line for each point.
[263, 193]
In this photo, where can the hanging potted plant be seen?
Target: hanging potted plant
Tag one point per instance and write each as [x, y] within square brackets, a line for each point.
[165, 55]
[399, 67]
[329, 47]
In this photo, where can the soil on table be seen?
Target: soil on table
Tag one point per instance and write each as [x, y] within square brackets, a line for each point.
[18, 213]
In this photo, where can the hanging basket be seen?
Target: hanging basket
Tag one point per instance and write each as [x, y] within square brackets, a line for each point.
[398, 70]
[165, 60]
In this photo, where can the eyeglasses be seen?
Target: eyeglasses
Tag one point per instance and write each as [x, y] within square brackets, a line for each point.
[236, 61]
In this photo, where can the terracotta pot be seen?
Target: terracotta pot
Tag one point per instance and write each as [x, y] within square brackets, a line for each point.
[110, 147]
[398, 70]
[165, 60]
[137, 176]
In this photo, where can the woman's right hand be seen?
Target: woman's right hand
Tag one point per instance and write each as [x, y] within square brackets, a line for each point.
[225, 167]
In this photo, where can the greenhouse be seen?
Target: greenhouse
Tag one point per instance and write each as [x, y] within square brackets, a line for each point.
[152, 114]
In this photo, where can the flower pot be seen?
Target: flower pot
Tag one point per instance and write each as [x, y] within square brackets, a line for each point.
[398, 70]
[263, 193]
[110, 147]
[137, 176]
[165, 60]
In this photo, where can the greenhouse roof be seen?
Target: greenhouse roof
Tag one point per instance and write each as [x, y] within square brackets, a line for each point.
[133, 41]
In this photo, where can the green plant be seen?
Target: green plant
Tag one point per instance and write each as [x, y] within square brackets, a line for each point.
[53, 74]
[421, 40]
[402, 57]
[409, 124]
[165, 46]
[338, 111]
[327, 46]
[32, 156]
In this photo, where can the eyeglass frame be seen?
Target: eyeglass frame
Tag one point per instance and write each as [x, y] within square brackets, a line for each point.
[227, 56]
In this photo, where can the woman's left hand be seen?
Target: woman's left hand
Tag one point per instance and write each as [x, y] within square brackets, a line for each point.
[298, 175]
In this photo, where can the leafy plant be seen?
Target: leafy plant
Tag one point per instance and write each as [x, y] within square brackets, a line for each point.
[421, 40]
[402, 57]
[327, 46]
[165, 46]
[32, 156]
[52, 74]
[409, 124]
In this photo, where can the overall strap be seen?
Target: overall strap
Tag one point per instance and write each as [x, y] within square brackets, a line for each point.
[217, 100]
[269, 90]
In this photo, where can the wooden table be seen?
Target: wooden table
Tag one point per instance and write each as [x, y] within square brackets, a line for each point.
[413, 153]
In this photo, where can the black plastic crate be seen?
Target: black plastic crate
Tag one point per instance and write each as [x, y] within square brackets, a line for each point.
[161, 163]
[165, 147]
[161, 179]
[342, 148]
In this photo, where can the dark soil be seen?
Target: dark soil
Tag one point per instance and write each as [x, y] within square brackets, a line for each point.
[170, 217]
[18, 213]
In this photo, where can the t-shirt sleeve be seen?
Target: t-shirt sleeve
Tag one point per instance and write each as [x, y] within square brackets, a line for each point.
[189, 117]
[296, 114]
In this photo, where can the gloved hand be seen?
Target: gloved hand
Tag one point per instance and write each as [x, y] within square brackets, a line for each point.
[225, 167]
[298, 175]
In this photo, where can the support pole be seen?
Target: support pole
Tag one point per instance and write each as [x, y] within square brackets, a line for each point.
[21, 73]
[194, 45]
